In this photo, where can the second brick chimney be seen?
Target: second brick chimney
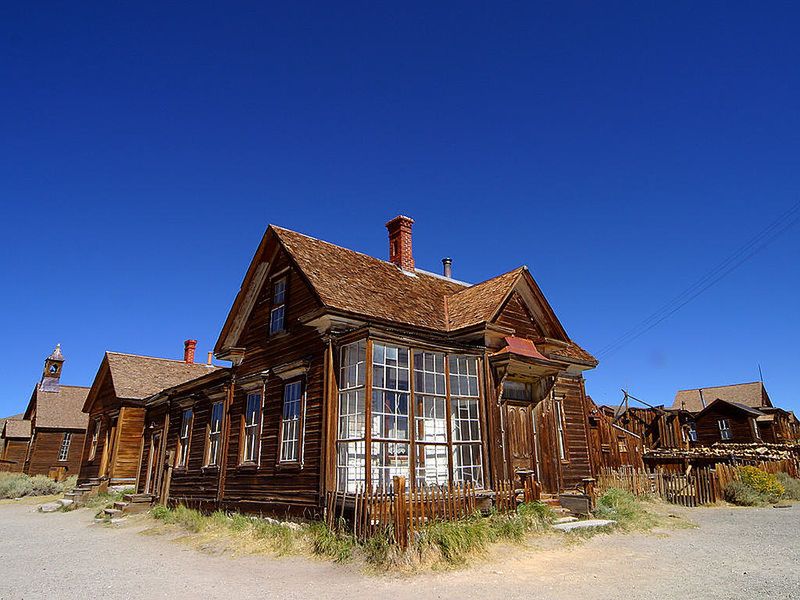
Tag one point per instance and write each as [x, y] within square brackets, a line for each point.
[188, 351]
[400, 242]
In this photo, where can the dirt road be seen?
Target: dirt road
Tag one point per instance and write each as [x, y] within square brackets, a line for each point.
[734, 553]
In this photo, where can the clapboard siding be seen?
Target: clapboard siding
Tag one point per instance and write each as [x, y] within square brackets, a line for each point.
[45, 447]
[16, 451]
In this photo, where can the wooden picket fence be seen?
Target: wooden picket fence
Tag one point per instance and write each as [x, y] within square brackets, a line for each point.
[696, 487]
[398, 513]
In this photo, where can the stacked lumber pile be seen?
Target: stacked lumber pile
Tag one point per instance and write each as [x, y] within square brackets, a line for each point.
[728, 451]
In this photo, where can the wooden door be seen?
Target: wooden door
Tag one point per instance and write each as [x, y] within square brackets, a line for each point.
[520, 439]
[154, 465]
[108, 450]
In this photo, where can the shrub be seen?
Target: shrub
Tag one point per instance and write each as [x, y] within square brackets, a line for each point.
[790, 485]
[17, 485]
[762, 482]
[741, 494]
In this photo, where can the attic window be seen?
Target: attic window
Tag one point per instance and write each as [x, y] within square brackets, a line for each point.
[725, 432]
[277, 314]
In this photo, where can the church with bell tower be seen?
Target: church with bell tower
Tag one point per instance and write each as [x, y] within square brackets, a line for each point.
[57, 422]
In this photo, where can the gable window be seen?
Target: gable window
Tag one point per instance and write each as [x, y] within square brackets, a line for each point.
[252, 420]
[63, 452]
[95, 438]
[184, 437]
[291, 424]
[725, 432]
[214, 433]
[464, 420]
[560, 433]
[277, 314]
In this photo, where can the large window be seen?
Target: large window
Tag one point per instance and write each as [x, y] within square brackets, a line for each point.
[725, 432]
[95, 438]
[465, 420]
[441, 418]
[430, 419]
[214, 433]
[277, 314]
[63, 452]
[291, 423]
[351, 449]
[184, 437]
[252, 424]
[390, 395]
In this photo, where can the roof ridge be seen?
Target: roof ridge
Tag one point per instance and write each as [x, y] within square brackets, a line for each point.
[474, 285]
[175, 360]
[279, 229]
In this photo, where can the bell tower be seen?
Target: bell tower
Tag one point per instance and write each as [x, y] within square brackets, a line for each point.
[51, 375]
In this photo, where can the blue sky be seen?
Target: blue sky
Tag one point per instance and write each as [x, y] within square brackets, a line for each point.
[620, 150]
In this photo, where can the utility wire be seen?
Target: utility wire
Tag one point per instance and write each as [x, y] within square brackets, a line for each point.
[752, 247]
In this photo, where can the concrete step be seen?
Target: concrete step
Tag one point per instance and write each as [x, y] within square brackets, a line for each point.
[588, 524]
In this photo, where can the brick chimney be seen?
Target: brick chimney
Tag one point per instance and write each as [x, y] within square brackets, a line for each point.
[400, 242]
[188, 351]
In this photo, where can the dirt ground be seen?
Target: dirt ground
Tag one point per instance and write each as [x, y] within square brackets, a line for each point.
[733, 553]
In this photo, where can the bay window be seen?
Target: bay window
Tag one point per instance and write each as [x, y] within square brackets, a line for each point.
[439, 416]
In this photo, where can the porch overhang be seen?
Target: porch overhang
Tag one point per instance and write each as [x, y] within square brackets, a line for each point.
[520, 358]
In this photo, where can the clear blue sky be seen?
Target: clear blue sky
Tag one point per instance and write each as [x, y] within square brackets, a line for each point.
[619, 150]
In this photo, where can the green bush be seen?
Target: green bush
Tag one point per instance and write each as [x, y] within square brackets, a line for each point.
[741, 494]
[762, 482]
[18, 485]
[790, 485]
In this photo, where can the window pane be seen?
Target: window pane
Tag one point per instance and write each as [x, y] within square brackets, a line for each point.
[351, 414]
[388, 460]
[350, 462]
[431, 466]
[467, 464]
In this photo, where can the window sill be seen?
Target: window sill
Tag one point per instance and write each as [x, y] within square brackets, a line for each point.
[210, 469]
[247, 467]
[180, 470]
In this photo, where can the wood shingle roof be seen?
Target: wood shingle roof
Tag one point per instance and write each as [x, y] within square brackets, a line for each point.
[750, 394]
[60, 409]
[136, 377]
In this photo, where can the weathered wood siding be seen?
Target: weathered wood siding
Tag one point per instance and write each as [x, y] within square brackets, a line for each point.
[105, 404]
[708, 426]
[514, 314]
[155, 416]
[271, 486]
[124, 465]
[45, 447]
[15, 451]
[577, 464]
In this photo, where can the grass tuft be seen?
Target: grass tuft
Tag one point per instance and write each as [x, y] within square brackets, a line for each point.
[624, 508]
[790, 485]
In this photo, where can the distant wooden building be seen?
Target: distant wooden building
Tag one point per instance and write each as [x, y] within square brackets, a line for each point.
[115, 410]
[744, 404]
[15, 437]
[349, 370]
[56, 421]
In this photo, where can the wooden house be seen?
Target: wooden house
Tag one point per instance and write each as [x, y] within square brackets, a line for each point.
[115, 410]
[726, 421]
[15, 437]
[348, 370]
[772, 424]
[658, 427]
[57, 425]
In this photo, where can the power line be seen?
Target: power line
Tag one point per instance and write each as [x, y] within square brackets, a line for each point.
[752, 247]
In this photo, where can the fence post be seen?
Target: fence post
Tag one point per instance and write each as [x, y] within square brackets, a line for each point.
[400, 517]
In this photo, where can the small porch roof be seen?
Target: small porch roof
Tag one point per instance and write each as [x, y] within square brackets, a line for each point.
[521, 357]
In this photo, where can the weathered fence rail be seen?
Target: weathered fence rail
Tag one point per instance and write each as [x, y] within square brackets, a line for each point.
[398, 512]
[695, 487]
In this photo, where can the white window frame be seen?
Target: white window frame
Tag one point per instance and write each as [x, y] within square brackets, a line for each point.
[215, 433]
[561, 435]
[294, 393]
[351, 458]
[391, 449]
[63, 451]
[277, 315]
[756, 432]
[430, 431]
[725, 432]
[466, 432]
[185, 436]
[251, 428]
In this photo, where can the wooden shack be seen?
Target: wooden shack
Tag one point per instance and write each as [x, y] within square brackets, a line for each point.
[15, 438]
[57, 425]
[348, 370]
[116, 411]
